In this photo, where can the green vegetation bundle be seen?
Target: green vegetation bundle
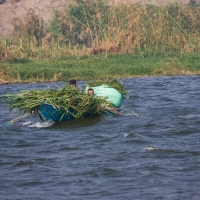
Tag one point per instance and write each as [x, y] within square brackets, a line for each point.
[62, 99]
[114, 83]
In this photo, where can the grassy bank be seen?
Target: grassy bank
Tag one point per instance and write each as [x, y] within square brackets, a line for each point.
[98, 67]
[94, 40]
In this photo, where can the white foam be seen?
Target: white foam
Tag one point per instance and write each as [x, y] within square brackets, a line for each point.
[189, 116]
[42, 124]
[27, 122]
[132, 113]
[150, 148]
[126, 134]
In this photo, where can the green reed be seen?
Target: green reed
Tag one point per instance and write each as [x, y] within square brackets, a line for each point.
[64, 99]
[94, 27]
[99, 68]
[93, 40]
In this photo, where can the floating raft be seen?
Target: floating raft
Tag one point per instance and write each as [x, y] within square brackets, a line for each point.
[49, 113]
[112, 96]
[68, 103]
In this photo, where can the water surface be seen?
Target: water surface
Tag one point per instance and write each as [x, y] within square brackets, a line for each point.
[150, 153]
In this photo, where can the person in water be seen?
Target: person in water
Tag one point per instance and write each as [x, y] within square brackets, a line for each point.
[72, 83]
[104, 107]
[91, 91]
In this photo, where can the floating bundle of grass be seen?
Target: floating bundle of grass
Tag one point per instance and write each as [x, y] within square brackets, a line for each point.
[114, 83]
[66, 98]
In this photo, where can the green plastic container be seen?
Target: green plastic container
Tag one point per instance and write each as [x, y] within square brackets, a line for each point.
[112, 94]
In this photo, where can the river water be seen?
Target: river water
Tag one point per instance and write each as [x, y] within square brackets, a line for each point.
[150, 153]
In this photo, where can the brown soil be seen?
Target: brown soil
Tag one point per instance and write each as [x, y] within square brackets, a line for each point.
[10, 9]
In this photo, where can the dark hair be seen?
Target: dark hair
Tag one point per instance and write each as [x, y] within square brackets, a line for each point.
[72, 82]
[90, 89]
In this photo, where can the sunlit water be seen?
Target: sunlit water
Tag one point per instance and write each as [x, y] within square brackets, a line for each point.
[150, 153]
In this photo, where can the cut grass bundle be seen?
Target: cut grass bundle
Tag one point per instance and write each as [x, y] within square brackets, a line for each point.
[66, 98]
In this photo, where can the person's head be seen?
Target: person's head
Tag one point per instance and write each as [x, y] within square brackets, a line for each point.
[72, 82]
[91, 91]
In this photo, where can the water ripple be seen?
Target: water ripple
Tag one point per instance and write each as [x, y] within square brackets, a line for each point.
[150, 153]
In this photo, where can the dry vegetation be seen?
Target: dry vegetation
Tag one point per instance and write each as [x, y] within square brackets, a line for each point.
[96, 27]
[88, 28]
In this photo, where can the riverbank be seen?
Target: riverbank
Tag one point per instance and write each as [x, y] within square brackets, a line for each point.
[105, 41]
[98, 67]
[134, 29]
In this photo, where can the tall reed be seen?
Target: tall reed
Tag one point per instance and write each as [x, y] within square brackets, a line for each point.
[92, 27]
